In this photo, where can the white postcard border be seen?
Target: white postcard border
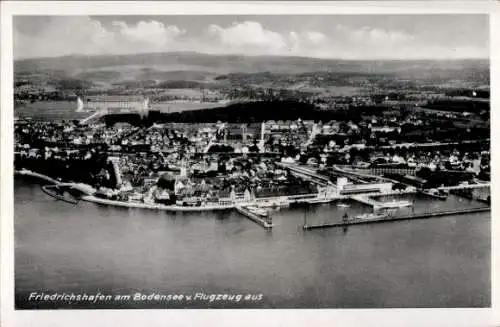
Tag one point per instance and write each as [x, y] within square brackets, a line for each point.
[306, 317]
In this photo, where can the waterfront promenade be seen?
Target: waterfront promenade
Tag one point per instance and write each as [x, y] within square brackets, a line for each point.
[156, 206]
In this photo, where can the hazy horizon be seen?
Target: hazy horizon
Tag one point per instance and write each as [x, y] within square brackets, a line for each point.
[336, 37]
[246, 55]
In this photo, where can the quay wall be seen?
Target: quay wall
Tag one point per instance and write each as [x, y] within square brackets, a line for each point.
[90, 198]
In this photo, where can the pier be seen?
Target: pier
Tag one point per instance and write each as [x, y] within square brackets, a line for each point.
[253, 217]
[387, 219]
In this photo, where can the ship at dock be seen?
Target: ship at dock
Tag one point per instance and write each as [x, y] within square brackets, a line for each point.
[435, 193]
[371, 216]
[393, 204]
[318, 200]
[259, 215]
[261, 212]
[281, 202]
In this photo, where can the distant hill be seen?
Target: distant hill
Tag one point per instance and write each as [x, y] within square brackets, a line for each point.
[194, 70]
[224, 64]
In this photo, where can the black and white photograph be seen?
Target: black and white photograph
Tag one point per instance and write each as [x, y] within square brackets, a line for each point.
[243, 161]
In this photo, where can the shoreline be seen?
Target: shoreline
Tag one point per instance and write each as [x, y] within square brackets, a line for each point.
[94, 199]
[89, 197]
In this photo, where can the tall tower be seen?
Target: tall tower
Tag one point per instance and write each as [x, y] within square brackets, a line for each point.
[341, 182]
[183, 172]
[314, 132]
[262, 134]
[143, 110]
[262, 131]
[244, 133]
[79, 105]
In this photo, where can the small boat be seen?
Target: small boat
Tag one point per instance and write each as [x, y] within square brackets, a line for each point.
[343, 205]
[267, 204]
[394, 204]
[258, 211]
[279, 203]
[370, 216]
[318, 200]
[438, 194]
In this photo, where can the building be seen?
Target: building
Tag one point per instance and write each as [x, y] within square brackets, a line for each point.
[344, 187]
[115, 104]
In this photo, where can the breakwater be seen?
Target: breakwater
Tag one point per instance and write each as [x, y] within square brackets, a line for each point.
[25, 172]
[357, 221]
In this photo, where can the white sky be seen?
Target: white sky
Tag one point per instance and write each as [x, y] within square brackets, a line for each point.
[344, 37]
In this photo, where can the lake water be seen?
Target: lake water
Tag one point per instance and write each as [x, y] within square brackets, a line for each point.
[88, 248]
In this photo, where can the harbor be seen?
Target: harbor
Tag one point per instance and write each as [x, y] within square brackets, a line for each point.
[318, 257]
[384, 205]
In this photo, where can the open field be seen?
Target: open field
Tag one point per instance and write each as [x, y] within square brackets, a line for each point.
[66, 110]
[53, 110]
[179, 107]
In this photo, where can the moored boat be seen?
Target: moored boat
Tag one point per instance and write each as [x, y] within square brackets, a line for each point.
[438, 194]
[258, 211]
[318, 200]
[257, 215]
[274, 203]
[370, 216]
[394, 204]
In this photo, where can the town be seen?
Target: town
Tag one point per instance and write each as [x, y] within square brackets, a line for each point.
[129, 153]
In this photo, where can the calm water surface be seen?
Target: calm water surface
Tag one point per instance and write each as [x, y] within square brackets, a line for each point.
[60, 247]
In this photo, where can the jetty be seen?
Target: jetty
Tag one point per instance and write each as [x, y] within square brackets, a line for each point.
[386, 219]
[254, 217]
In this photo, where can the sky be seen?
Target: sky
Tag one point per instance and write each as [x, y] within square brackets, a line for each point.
[319, 36]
